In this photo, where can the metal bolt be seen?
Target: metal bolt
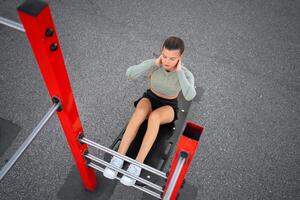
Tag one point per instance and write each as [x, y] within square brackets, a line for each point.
[80, 136]
[54, 46]
[182, 184]
[56, 100]
[49, 32]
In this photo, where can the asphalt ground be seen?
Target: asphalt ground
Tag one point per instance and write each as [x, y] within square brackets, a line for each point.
[244, 54]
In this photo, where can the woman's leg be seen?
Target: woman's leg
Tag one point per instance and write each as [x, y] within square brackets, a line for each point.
[142, 111]
[162, 115]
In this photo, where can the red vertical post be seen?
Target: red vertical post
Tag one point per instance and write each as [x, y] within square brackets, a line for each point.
[40, 30]
[186, 147]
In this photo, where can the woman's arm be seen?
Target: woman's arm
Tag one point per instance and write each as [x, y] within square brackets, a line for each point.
[186, 81]
[135, 71]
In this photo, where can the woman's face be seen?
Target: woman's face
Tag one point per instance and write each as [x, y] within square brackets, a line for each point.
[170, 58]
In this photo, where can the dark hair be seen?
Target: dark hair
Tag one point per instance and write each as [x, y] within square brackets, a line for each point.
[174, 43]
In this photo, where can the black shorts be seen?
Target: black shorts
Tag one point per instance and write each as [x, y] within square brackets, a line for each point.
[157, 102]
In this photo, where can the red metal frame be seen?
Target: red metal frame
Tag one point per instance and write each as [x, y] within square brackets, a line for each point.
[36, 19]
[187, 142]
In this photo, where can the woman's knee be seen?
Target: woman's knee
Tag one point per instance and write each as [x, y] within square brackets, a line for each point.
[143, 109]
[154, 117]
[162, 115]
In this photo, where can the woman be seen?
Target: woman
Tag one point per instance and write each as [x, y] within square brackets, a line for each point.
[158, 104]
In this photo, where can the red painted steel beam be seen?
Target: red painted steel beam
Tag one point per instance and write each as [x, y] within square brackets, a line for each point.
[40, 30]
[187, 143]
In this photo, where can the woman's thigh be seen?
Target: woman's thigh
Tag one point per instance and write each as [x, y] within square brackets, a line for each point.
[143, 108]
[163, 115]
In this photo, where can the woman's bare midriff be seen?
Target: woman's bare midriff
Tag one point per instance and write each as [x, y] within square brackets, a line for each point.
[163, 96]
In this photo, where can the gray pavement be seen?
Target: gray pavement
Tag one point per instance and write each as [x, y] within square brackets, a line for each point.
[245, 54]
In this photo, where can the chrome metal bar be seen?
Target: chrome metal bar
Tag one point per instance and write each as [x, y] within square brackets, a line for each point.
[137, 187]
[28, 140]
[174, 178]
[12, 24]
[148, 183]
[126, 158]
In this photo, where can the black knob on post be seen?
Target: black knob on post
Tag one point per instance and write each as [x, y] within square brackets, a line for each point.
[184, 154]
[80, 136]
[54, 46]
[56, 100]
[49, 32]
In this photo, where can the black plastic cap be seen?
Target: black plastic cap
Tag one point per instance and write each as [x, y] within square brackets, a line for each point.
[168, 173]
[54, 46]
[49, 32]
[32, 7]
[56, 100]
[184, 154]
[182, 184]
[87, 160]
[80, 136]
[192, 131]
[178, 194]
[86, 152]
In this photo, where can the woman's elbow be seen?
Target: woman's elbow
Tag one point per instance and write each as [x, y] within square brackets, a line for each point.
[129, 74]
[190, 95]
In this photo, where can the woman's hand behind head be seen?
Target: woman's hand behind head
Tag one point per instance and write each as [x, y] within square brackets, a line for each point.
[158, 61]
